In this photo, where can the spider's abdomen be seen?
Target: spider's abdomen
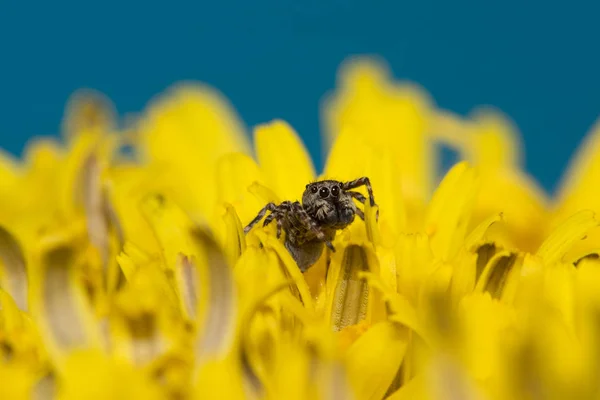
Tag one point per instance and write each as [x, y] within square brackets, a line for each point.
[305, 254]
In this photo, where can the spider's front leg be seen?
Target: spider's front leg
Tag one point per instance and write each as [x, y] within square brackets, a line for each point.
[311, 224]
[364, 181]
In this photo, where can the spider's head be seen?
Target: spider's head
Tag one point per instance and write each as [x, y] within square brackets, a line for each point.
[328, 204]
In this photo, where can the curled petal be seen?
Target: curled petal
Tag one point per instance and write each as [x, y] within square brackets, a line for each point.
[566, 235]
[496, 277]
[217, 306]
[88, 110]
[350, 300]
[235, 240]
[14, 271]
[58, 302]
[478, 235]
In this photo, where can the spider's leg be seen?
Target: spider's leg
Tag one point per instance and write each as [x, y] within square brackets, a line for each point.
[360, 213]
[270, 218]
[279, 224]
[362, 199]
[364, 181]
[310, 223]
[357, 196]
[278, 216]
[269, 207]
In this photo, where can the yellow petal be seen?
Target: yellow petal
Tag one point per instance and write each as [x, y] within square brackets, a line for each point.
[485, 330]
[18, 382]
[373, 232]
[416, 389]
[129, 185]
[562, 239]
[341, 167]
[94, 376]
[236, 174]
[130, 258]
[263, 193]
[185, 132]
[414, 262]
[283, 159]
[170, 225]
[220, 379]
[490, 143]
[381, 167]
[11, 316]
[141, 321]
[450, 210]
[291, 268]
[493, 142]
[400, 309]
[389, 115]
[577, 188]
[478, 235]
[464, 277]
[256, 270]
[10, 172]
[374, 359]
[521, 201]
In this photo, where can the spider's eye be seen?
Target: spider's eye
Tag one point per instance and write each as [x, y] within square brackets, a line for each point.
[335, 191]
[314, 189]
[324, 192]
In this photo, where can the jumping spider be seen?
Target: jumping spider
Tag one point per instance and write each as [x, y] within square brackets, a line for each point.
[326, 207]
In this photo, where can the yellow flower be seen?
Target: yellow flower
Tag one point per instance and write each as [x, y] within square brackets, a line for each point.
[127, 274]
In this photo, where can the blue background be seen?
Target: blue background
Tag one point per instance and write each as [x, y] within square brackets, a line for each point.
[537, 61]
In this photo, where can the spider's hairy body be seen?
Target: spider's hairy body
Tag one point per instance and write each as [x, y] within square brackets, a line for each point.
[327, 206]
